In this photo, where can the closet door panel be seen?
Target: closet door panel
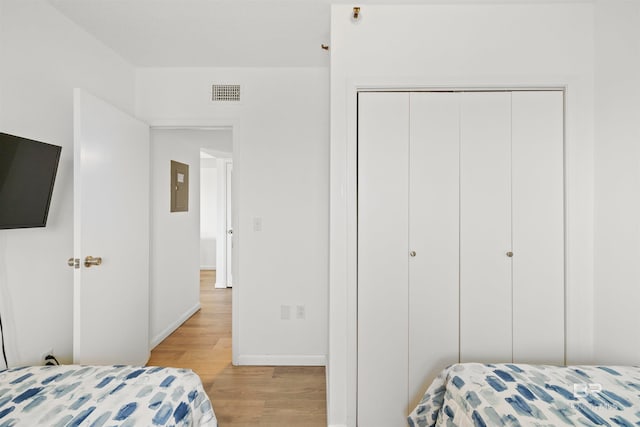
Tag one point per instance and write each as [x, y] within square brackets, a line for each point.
[434, 236]
[383, 191]
[538, 227]
[485, 226]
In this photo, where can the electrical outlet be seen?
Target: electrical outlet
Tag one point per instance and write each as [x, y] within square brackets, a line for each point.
[300, 312]
[285, 312]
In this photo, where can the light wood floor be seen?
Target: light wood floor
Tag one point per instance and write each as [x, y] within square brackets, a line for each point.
[241, 395]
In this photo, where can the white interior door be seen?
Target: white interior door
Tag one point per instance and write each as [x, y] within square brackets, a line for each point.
[229, 218]
[538, 227]
[485, 227]
[111, 214]
[383, 256]
[434, 236]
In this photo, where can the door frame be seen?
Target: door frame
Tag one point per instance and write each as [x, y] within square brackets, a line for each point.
[343, 247]
[232, 124]
[229, 223]
[223, 272]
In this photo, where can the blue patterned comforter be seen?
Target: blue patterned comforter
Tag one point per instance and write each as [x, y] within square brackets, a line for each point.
[474, 394]
[72, 395]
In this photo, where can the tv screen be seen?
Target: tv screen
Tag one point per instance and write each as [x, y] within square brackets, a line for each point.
[27, 173]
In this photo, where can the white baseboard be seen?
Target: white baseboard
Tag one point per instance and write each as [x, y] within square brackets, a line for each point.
[172, 327]
[207, 267]
[220, 285]
[281, 360]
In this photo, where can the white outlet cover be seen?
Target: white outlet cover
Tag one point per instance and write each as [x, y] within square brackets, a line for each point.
[300, 312]
[285, 312]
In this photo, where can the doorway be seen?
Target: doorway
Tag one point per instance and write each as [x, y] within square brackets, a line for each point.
[176, 237]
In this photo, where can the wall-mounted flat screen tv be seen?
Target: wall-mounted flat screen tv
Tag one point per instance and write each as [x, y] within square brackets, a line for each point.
[27, 173]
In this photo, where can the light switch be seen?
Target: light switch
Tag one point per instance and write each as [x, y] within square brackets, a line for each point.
[257, 223]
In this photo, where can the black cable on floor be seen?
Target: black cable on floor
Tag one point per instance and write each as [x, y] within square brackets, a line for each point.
[4, 352]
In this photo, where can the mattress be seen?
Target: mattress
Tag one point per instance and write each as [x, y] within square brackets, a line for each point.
[473, 394]
[74, 395]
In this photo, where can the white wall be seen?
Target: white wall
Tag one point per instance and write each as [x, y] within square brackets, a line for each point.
[617, 179]
[461, 45]
[281, 175]
[208, 213]
[43, 56]
[175, 236]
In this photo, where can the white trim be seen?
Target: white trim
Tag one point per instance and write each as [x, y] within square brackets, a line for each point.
[221, 225]
[172, 327]
[234, 125]
[201, 124]
[226, 189]
[282, 360]
[459, 88]
[208, 267]
[351, 178]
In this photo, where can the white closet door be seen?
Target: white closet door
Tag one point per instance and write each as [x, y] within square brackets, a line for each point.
[434, 236]
[538, 227]
[383, 187]
[485, 227]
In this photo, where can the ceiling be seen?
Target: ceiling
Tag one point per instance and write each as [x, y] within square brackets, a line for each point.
[207, 33]
[219, 33]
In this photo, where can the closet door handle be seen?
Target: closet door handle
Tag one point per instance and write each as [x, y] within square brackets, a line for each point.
[412, 253]
[510, 254]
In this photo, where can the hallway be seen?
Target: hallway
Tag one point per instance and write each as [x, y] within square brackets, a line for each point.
[242, 395]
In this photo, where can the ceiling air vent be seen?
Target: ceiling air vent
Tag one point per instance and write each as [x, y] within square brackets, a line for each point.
[225, 93]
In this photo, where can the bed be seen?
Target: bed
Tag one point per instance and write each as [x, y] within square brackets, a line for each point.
[474, 394]
[74, 395]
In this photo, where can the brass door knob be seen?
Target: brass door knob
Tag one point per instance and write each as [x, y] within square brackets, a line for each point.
[89, 261]
[73, 262]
